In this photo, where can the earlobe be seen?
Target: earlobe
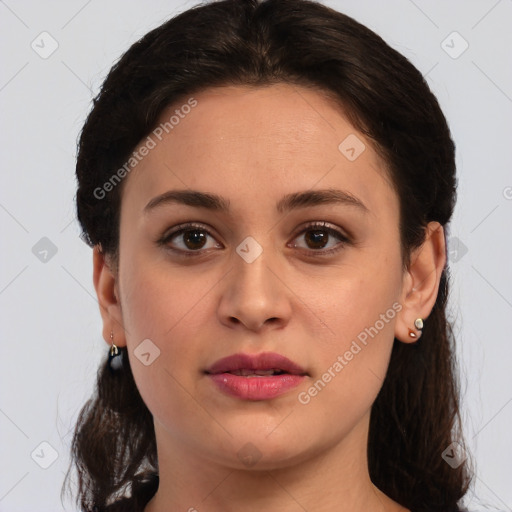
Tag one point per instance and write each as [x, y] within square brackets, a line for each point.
[105, 284]
[420, 284]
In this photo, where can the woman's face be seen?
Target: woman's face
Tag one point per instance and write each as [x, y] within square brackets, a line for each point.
[299, 256]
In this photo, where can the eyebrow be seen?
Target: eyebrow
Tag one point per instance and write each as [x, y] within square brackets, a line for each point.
[288, 203]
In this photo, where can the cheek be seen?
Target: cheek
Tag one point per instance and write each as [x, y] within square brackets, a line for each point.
[352, 367]
[353, 298]
[159, 296]
[359, 312]
[166, 307]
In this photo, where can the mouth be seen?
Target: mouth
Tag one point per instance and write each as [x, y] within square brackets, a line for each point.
[255, 377]
[255, 365]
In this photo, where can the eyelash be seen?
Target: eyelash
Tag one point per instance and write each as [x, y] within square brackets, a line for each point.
[323, 226]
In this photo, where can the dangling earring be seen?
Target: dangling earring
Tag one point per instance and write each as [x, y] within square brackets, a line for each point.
[115, 358]
[418, 323]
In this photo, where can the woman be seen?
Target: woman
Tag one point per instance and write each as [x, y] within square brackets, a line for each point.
[266, 187]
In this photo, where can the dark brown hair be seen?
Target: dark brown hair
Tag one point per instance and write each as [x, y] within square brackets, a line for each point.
[259, 43]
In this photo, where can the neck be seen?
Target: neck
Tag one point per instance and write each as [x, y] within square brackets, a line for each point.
[336, 479]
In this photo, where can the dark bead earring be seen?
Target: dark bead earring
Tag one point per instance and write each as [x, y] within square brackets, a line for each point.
[115, 356]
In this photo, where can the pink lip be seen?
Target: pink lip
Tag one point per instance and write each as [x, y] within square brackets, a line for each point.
[255, 387]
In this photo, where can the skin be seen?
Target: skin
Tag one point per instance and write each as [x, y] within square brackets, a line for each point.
[253, 146]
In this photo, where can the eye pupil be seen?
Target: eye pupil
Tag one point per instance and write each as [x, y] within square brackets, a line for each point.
[317, 237]
[194, 239]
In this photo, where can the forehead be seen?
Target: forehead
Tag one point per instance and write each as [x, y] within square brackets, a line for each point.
[256, 143]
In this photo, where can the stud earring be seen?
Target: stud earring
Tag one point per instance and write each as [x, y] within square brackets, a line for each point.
[418, 323]
[115, 359]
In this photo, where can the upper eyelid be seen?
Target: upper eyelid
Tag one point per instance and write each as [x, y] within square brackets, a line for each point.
[185, 226]
[328, 226]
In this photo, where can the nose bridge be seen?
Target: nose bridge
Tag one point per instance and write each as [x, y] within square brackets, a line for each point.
[252, 276]
[255, 275]
[253, 293]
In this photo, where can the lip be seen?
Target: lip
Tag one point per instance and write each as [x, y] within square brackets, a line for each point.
[255, 387]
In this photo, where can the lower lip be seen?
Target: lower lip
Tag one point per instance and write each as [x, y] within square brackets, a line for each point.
[256, 388]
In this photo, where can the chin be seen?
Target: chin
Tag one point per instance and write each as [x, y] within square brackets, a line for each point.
[264, 452]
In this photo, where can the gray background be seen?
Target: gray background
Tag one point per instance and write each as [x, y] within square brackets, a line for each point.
[50, 327]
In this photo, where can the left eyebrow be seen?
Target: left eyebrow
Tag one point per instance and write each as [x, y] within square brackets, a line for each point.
[289, 202]
[319, 197]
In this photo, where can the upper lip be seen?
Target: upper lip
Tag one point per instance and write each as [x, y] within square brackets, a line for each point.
[263, 361]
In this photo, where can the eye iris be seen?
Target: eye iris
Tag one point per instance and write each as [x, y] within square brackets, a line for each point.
[317, 238]
[194, 239]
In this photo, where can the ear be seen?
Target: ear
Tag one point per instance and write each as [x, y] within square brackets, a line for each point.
[107, 291]
[420, 282]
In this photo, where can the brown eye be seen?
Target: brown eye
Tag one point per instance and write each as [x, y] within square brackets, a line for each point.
[316, 239]
[189, 239]
[194, 239]
[321, 239]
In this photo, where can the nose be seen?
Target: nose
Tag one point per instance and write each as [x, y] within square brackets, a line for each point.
[255, 296]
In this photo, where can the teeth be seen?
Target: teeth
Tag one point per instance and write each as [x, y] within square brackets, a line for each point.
[254, 373]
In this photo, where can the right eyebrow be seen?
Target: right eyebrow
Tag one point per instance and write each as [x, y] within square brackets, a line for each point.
[190, 198]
